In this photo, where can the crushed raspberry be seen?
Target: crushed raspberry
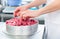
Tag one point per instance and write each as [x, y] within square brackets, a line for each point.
[20, 22]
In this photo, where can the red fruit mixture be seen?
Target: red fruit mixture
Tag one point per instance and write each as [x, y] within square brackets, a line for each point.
[20, 22]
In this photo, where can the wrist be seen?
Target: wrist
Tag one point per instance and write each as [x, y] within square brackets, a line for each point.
[27, 6]
[41, 11]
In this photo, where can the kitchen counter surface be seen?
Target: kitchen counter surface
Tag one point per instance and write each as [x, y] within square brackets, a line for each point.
[4, 35]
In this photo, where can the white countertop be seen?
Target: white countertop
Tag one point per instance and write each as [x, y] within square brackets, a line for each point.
[38, 35]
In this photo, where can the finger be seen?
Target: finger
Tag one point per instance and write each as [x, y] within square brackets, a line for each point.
[18, 14]
[15, 14]
[16, 11]
[25, 16]
[21, 15]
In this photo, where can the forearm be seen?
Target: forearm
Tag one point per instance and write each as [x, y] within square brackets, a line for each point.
[51, 7]
[36, 3]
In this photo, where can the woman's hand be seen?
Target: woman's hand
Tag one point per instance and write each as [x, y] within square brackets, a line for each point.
[20, 9]
[29, 14]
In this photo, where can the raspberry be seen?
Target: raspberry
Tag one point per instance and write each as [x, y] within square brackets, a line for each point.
[20, 22]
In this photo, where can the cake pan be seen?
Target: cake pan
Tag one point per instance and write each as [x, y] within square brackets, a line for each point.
[22, 30]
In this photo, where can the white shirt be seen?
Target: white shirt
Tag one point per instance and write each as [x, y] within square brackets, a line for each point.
[53, 17]
[52, 23]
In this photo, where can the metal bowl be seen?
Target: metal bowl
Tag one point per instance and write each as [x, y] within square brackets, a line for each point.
[22, 30]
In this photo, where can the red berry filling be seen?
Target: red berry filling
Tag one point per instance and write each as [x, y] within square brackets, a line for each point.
[20, 22]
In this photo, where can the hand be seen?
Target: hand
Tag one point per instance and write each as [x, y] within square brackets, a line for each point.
[29, 14]
[20, 9]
